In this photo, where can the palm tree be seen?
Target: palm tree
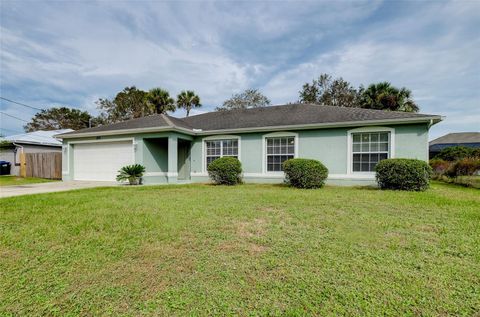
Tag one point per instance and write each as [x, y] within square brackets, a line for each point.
[406, 101]
[188, 100]
[160, 99]
[384, 96]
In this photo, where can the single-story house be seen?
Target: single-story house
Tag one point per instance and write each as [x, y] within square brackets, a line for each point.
[349, 141]
[467, 139]
[31, 142]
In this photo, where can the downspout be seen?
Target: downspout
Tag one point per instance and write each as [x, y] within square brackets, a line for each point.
[15, 155]
[430, 124]
[15, 151]
[428, 142]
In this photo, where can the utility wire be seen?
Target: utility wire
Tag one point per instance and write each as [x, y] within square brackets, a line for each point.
[9, 115]
[21, 104]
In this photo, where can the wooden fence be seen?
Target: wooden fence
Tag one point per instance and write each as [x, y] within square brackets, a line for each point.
[43, 165]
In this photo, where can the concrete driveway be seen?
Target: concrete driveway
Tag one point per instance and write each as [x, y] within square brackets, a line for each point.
[28, 189]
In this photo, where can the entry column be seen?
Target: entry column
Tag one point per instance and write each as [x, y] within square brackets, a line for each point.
[172, 159]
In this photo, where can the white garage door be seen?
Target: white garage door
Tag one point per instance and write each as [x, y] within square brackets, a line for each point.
[101, 161]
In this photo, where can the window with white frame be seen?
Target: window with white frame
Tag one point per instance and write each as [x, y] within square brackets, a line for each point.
[369, 148]
[279, 149]
[219, 148]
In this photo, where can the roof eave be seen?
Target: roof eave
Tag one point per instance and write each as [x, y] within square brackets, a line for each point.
[34, 143]
[123, 131]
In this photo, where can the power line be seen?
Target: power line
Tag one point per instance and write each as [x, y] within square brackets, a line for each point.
[21, 104]
[9, 115]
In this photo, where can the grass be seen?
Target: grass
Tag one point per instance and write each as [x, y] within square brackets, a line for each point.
[10, 180]
[471, 181]
[468, 181]
[204, 250]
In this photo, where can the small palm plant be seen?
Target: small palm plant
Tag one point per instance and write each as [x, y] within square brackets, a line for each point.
[132, 173]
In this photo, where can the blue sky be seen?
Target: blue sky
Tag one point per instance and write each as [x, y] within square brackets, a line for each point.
[72, 53]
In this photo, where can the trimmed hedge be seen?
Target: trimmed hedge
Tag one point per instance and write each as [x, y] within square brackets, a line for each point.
[305, 173]
[225, 171]
[403, 174]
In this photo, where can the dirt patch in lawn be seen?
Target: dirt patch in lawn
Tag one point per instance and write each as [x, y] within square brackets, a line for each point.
[246, 236]
[152, 263]
[250, 229]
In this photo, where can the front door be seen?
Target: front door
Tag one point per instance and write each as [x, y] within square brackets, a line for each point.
[183, 160]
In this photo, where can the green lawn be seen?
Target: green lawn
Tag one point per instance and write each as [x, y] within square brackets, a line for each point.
[472, 181]
[10, 180]
[245, 250]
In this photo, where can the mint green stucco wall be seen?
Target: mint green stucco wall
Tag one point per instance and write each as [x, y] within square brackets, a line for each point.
[411, 141]
[327, 145]
[155, 154]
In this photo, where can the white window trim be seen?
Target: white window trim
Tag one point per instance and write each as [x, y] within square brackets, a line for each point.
[264, 150]
[391, 142]
[218, 137]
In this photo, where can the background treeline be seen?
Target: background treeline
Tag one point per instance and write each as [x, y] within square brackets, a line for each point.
[132, 103]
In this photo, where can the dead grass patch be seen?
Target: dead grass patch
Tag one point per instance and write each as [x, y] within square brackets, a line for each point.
[250, 229]
[255, 249]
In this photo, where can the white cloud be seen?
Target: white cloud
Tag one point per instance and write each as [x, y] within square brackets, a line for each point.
[443, 71]
[75, 52]
[104, 56]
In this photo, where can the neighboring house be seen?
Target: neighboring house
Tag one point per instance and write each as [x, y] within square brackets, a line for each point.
[467, 139]
[32, 142]
[349, 141]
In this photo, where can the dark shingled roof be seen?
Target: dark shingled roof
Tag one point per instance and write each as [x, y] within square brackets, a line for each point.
[153, 121]
[458, 138]
[293, 114]
[286, 115]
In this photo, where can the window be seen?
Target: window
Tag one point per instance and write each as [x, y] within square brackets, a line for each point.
[220, 148]
[369, 149]
[279, 149]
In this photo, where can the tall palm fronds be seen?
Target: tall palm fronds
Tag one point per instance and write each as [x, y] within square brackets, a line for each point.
[160, 100]
[188, 100]
[384, 96]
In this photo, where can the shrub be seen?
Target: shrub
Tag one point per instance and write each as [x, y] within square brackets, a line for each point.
[439, 167]
[403, 174]
[465, 167]
[225, 170]
[455, 153]
[305, 173]
[476, 153]
[132, 173]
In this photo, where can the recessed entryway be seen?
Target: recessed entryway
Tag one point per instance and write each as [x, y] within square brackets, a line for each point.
[183, 159]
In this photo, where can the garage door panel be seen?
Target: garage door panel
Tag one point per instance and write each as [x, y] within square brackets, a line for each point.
[101, 161]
